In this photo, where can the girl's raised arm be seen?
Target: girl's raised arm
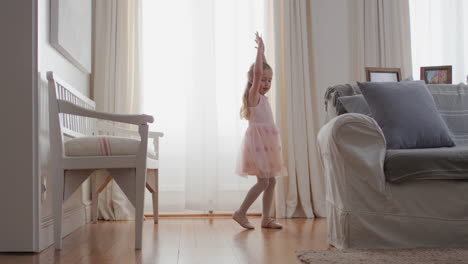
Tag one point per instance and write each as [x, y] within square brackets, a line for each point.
[257, 73]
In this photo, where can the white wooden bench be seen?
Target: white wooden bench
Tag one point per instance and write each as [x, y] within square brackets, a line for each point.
[93, 145]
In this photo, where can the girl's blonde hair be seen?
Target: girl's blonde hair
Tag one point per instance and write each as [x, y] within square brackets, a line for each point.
[245, 111]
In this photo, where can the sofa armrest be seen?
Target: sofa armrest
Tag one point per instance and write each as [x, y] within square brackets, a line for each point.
[352, 150]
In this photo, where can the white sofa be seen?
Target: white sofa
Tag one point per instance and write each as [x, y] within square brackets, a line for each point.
[366, 211]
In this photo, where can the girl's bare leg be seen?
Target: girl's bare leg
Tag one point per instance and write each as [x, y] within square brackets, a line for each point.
[268, 198]
[252, 195]
[267, 222]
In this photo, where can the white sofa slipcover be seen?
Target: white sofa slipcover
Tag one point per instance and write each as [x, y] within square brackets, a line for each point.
[365, 211]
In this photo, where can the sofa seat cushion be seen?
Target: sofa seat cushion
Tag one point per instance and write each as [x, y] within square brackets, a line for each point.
[105, 146]
[426, 164]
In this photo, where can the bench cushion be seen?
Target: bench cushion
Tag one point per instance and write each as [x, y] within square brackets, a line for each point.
[105, 146]
[426, 164]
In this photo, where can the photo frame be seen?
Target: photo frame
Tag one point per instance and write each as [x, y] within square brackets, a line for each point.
[437, 74]
[71, 31]
[374, 74]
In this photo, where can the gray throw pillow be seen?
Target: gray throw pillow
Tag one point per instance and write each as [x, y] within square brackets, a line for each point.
[355, 104]
[407, 115]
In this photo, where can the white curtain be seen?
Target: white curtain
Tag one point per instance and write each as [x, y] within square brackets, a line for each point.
[116, 80]
[439, 35]
[297, 106]
[382, 35]
[196, 58]
[379, 37]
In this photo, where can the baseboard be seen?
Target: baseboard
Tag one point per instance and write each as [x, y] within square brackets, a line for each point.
[73, 218]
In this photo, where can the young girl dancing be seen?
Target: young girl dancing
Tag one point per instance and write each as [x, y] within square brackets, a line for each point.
[260, 153]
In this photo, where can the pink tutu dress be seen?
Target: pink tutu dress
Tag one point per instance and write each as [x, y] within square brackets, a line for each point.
[261, 152]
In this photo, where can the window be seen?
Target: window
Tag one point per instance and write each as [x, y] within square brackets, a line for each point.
[439, 35]
[196, 55]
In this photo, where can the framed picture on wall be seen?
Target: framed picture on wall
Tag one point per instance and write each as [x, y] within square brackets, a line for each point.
[71, 31]
[437, 74]
[383, 74]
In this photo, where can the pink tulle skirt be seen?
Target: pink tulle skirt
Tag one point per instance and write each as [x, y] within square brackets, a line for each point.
[261, 152]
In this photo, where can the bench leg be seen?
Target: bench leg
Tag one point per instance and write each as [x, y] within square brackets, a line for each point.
[155, 195]
[58, 207]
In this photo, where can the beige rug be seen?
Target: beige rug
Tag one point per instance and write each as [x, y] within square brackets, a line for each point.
[385, 256]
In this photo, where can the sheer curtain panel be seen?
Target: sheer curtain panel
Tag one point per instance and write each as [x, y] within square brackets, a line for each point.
[117, 77]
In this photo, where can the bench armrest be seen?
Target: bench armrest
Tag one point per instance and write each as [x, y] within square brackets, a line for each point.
[69, 108]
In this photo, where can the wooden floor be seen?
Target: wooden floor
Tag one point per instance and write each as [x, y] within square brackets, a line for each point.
[182, 240]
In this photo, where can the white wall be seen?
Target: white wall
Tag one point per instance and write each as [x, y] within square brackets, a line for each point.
[333, 50]
[18, 79]
[332, 41]
[26, 55]
[51, 60]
